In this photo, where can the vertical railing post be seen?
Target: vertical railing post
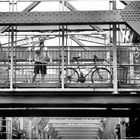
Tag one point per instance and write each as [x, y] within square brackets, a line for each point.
[11, 58]
[115, 78]
[63, 43]
[62, 56]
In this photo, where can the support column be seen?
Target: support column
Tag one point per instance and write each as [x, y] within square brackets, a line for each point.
[3, 136]
[12, 50]
[30, 128]
[21, 123]
[63, 82]
[63, 51]
[9, 127]
[115, 81]
[11, 58]
[68, 50]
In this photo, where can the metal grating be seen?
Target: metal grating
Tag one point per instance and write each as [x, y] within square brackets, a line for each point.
[131, 15]
[131, 12]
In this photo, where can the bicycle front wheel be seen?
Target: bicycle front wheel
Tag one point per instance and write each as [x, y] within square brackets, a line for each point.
[70, 75]
[101, 75]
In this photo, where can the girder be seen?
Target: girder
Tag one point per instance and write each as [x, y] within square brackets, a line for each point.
[78, 137]
[27, 9]
[74, 121]
[78, 42]
[77, 133]
[52, 98]
[95, 27]
[69, 97]
[91, 39]
[76, 129]
[78, 126]
[49, 112]
[70, 104]
[60, 18]
[125, 2]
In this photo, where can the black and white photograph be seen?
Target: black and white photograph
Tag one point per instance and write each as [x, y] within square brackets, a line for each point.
[70, 69]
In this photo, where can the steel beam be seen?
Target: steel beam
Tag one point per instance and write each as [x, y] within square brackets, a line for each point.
[60, 18]
[76, 129]
[74, 121]
[68, 99]
[93, 127]
[27, 9]
[79, 43]
[95, 27]
[79, 137]
[90, 38]
[77, 133]
[31, 6]
[125, 2]
[22, 42]
[67, 113]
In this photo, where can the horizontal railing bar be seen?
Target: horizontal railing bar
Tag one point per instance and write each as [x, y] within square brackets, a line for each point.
[105, 46]
[49, 90]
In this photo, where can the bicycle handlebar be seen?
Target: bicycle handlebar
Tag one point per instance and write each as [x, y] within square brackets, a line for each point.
[95, 58]
[98, 59]
[76, 57]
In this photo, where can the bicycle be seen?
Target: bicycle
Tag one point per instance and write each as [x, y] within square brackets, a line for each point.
[98, 74]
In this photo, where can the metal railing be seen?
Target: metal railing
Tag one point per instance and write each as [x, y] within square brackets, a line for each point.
[23, 67]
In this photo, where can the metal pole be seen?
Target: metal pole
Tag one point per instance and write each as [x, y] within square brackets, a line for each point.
[12, 51]
[62, 56]
[12, 61]
[115, 81]
[63, 43]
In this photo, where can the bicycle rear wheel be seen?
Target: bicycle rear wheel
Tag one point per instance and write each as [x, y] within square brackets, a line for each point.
[101, 75]
[70, 75]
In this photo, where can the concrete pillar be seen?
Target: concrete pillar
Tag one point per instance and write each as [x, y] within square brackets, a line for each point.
[30, 128]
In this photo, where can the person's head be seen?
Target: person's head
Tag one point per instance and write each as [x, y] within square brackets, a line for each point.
[41, 42]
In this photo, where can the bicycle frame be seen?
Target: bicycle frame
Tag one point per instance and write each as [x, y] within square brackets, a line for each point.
[80, 71]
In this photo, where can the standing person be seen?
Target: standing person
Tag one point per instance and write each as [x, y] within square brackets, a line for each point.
[41, 59]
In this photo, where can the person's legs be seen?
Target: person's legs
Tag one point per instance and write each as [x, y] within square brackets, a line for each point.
[43, 72]
[34, 77]
[42, 78]
[36, 70]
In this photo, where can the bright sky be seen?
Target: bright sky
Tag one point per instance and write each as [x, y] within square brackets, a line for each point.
[55, 6]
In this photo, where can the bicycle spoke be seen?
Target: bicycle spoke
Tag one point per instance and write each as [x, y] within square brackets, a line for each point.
[101, 75]
[70, 75]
